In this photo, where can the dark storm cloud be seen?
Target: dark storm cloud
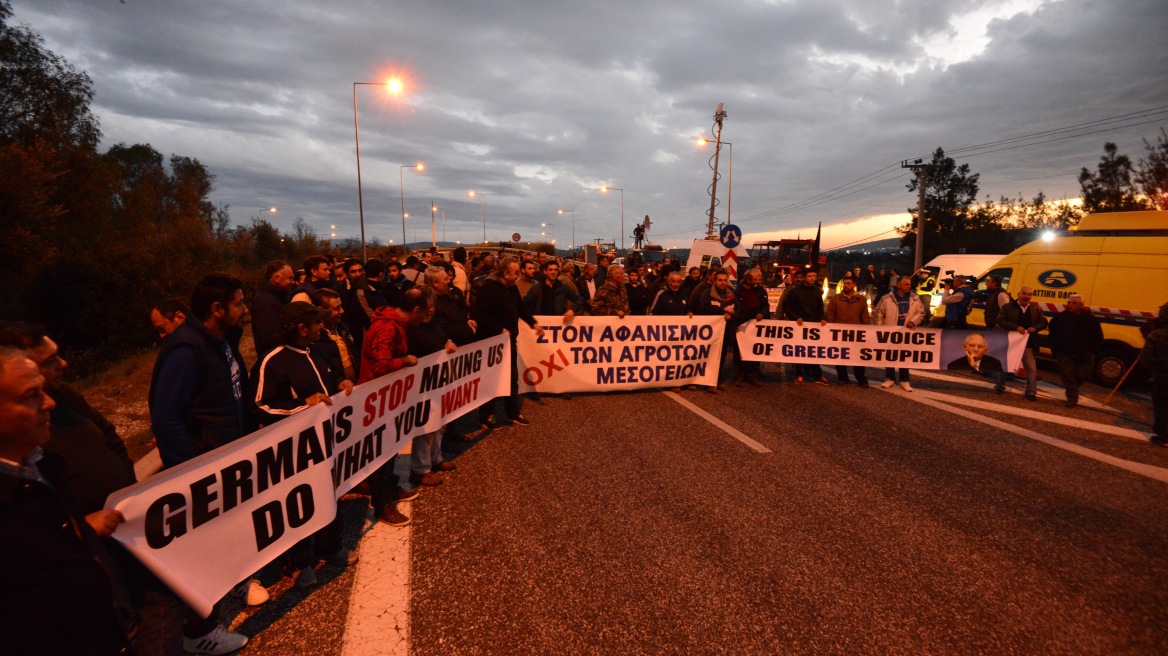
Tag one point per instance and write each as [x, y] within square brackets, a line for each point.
[538, 104]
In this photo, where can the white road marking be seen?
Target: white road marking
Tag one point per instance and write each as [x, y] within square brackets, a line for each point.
[1053, 390]
[1150, 471]
[733, 432]
[378, 622]
[1041, 416]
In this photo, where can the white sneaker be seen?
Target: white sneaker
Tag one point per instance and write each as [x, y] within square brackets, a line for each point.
[906, 387]
[218, 641]
[888, 383]
[251, 592]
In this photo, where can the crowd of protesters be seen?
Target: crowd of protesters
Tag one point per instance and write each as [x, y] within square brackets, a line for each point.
[331, 325]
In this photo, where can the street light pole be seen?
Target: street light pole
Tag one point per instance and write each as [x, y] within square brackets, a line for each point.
[401, 187]
[433, 229]
[622, 212]
[483, 197]
[393, 86]
[573, 213]
[730, 179]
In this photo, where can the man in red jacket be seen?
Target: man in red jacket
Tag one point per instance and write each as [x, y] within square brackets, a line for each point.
[385, 351]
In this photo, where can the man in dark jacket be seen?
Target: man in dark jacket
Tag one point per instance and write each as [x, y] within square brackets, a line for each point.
[1075, 336]
[58, 590]
[850, 307]
[637, 293]
[753, 305]
[672, 300]
[319, 274]
[805, 303]
[269, 300]
[551, 296]
[1155, 361]
[1027, 318]
[396, 285]
[197, 404]
[498, 308]
[336, 343]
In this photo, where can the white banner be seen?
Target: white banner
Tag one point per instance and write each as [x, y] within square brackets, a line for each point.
[209, 523]
[982, 351]
[602, 354]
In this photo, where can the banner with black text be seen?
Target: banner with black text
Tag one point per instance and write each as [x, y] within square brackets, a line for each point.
[602, 354]
[981, 351]
[209, 523]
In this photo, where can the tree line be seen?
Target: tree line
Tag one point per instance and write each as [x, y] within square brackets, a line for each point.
[955, 220]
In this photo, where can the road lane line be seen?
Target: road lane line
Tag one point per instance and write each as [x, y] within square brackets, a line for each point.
[733, 432]
[1041, 416]
[378, 622]
[1043, 386]
[1150, 471]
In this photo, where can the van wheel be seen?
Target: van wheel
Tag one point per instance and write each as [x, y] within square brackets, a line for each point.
[1111, 363]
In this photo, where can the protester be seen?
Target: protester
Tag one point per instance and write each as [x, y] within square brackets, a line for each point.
[336, 343]
[611, 298]
[269, 301]
[586, 286]
[526, 280]
[804, 302]
[461, 277]
[672, 301]
[167, 315]
[1154, 357]
[1026, 318]
[996, 299]
[752, 305]
[396, 283]
[1075, 336]
[320, 274]
[551, 297]
[901, 307]
[59, 593]
[637, 294]
[289, 380]
[499, 308]
[425, 338]
[197, 405]
[719, 299]
[849, 307]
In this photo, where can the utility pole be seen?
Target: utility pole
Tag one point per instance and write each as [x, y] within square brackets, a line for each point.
[719, 116]
[922, 172]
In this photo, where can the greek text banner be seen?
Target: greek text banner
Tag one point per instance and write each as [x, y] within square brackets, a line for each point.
[211, 522]
[981, 351]
[600, 354]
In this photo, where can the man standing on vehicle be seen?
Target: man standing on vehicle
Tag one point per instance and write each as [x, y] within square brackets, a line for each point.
[1027, 318]
[1075, 336]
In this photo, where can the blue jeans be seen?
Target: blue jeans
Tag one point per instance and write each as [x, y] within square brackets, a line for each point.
[426, 452]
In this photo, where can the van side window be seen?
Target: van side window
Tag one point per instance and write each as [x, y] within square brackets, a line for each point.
[980, 294]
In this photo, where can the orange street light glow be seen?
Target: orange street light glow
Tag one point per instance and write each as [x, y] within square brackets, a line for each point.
[420, 166]
[394, 85]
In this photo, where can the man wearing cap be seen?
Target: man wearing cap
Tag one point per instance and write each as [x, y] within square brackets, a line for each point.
[289, 380]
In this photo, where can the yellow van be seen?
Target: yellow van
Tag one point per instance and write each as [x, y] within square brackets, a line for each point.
[1118, 262]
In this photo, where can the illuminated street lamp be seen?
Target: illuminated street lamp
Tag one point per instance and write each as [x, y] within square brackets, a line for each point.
[433, 230]
[573, 213]
[553, 227]
[729, 179]
[401, 187]
[607, 189]
[483, 197]
[394, 86]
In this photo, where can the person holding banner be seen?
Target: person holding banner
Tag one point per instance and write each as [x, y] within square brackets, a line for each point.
[58, 588]
[753, 306]
[720, 299]
[425, 338]
[290, 379]
[499, 308]
[1028, 319]
[197, 405]
[385, 351]
[849, 306]
[804, 302]
[901, 307]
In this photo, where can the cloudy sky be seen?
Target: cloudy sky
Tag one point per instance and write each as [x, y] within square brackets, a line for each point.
[539, 104]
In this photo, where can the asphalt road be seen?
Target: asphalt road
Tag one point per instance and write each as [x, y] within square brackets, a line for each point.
[878, 522]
